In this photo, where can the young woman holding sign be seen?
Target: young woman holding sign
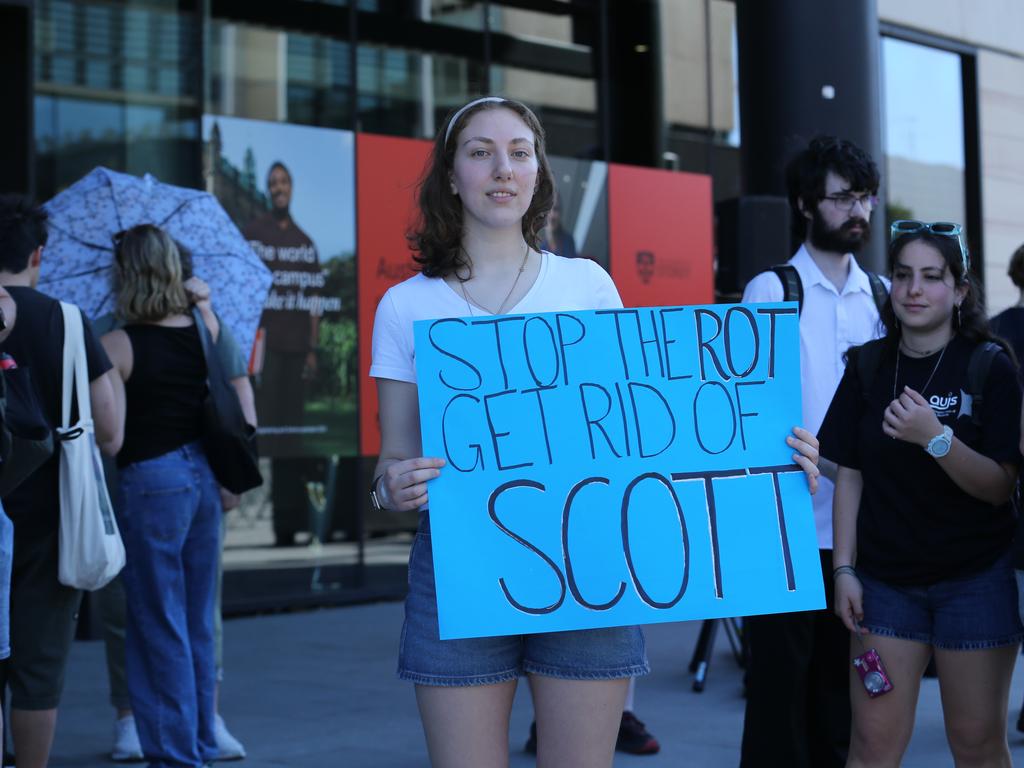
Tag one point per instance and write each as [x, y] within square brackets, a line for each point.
[922, 516]
[483, 201]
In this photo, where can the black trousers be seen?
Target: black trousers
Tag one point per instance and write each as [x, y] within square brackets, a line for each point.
[798, 687]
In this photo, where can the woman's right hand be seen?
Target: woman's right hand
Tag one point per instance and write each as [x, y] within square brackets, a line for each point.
[850, 601]
[403, 484]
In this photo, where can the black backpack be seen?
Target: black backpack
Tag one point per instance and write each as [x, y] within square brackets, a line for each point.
[868, 358]
[793, 287]
[26, 439]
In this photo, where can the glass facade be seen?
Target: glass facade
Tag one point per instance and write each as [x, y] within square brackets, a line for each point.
[218, 94]
[116, 85]
[923, 132]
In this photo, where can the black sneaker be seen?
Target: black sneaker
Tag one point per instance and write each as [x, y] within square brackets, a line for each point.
[531, 743]
[634, 738]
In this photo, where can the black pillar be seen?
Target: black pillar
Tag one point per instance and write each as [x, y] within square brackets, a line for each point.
[807, 67]
[16, 167]
[632, 110]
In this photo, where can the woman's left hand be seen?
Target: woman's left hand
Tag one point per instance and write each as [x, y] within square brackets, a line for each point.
[910, 418]
[806, 455]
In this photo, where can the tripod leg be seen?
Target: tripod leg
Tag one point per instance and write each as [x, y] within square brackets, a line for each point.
[700, 650]
[734, 632]
[711, 625]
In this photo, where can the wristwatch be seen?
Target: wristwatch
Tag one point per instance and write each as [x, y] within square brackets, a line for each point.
[374, 498]
[938, 446]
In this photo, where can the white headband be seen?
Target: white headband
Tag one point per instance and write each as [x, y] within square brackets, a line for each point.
[457, 115]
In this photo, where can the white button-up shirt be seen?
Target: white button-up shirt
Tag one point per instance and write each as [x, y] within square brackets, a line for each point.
[831, 322]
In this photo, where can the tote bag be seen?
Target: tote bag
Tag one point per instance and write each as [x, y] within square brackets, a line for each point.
[90, 549]
[228, 439]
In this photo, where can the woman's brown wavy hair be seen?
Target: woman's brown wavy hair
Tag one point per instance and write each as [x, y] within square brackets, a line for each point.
[436, 237]
[150, 285]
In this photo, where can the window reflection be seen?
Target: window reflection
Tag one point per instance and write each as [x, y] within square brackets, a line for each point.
[923, 132]
[115, 86]
[280, 76]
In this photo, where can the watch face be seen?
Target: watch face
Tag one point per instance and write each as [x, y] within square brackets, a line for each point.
[938, 446]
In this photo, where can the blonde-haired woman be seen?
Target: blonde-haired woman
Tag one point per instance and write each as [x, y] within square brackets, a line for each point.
[168, 504]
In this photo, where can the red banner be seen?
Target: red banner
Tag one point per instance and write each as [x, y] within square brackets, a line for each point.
[387, 170]
[660, 231]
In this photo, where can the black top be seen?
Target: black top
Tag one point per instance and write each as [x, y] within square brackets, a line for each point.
[1009, 325]
[915, 525]
[165, 391]
[37, 342]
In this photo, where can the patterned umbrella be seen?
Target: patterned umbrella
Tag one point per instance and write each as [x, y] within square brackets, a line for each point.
[78, 261]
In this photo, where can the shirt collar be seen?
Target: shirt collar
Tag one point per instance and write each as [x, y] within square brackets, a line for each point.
[812, 274]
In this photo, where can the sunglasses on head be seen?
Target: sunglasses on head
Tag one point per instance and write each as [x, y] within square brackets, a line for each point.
[941, 228]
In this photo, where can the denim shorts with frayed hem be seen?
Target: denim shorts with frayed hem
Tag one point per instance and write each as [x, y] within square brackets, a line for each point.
[968, 613]
[425, 659]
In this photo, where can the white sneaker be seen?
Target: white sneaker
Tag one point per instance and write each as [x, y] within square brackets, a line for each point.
[127, 748]
[228, 747]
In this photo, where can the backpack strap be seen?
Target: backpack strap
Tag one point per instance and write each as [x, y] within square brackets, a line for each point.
[978, 366]
[878, 291]
[867, 358]
[792, 286]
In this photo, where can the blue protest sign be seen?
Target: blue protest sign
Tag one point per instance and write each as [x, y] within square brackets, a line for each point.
[615, 467]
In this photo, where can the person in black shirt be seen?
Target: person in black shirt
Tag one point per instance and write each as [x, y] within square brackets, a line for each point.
[1009, 324]
[43, 611]
[922, 515]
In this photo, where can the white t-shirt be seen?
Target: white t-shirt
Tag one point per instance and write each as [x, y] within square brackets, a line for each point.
[561, 285]
[831, 322]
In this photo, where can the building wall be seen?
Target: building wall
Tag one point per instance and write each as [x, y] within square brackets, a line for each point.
[1001, 104]
[995, 27]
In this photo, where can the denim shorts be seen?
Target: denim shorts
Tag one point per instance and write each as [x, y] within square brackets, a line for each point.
[6, 559]
[423, 658]
[964, 614]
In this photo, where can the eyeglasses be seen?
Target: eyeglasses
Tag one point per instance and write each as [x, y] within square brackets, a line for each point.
[941, 228]
[844, 201]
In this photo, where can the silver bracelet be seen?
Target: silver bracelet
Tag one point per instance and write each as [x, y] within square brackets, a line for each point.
[845, 569]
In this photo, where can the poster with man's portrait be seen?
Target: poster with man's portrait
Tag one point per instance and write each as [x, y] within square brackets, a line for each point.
[291, 191]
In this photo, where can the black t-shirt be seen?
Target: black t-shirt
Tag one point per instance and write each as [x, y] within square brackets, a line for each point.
[1009, 324]
[915, 525]
[37, 342]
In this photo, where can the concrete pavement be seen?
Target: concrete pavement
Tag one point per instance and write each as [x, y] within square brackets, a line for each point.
[318, 690]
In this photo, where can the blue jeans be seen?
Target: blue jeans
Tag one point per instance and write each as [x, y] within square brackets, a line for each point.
[169, 511]
[6, 558]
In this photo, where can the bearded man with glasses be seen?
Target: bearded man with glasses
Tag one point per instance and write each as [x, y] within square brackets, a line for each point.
[798, 693]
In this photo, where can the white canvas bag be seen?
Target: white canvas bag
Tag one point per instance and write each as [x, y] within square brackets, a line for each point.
[90, 547]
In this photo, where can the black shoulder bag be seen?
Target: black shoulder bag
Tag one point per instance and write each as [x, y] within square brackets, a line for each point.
[229, 440]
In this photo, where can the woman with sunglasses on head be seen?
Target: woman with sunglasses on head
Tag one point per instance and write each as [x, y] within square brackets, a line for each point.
[922, 515]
